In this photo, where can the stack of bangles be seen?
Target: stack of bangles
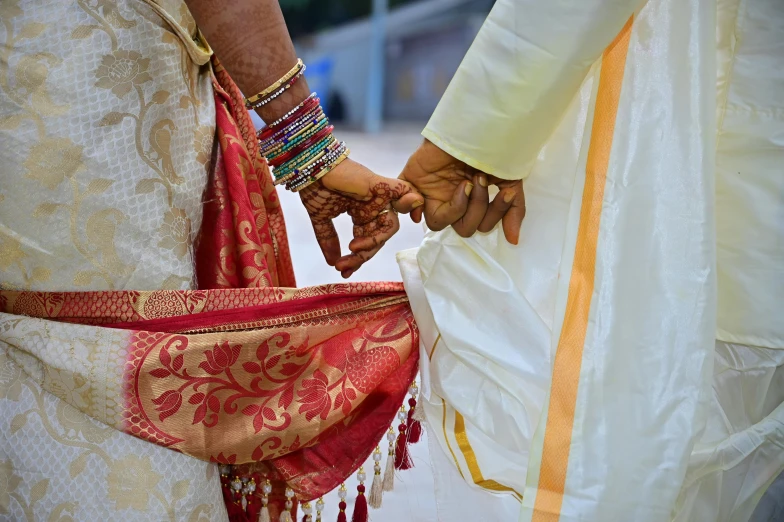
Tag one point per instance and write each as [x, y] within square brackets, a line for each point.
[299, 146]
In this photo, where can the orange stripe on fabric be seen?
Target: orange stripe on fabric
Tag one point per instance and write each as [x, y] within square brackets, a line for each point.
[446, 438]
[568, 357]
[473, 464]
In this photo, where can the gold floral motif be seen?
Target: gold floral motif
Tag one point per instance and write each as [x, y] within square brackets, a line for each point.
[203, 138]
[131, 481]
[175, 231]
[68, 386]
[9, 481]
[52, 160]
[10, 378]
[10, 252]
[121, 71]
[9, 9]
[112, 15]
[78, 425]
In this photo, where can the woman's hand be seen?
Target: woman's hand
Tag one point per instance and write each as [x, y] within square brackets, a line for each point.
[456, 194]
[372, 201]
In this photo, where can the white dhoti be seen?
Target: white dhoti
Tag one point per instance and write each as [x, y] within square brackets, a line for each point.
[625, 362]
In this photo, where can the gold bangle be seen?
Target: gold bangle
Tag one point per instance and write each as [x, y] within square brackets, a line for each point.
[324, 171]
[275, 86]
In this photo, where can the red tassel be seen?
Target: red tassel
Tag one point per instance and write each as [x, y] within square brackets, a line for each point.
[360, 507]
[414, 426]
[342, 514]
[402, 457]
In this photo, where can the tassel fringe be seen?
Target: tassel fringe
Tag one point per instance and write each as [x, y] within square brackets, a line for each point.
[360, 507]
[376, 489]
[414, 427]
[419, 412]
[402, 456]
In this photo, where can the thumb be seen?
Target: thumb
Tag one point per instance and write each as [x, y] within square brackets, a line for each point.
[405, 197]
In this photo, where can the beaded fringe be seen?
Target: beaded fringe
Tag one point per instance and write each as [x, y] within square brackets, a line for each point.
[246, 502]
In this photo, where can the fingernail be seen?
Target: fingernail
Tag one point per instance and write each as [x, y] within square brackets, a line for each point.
[483, 181]
[416, 204]
[508, 197]
[469, 188]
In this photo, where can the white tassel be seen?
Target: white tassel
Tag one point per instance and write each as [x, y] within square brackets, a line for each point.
[377, 489]
[285, 515]
[419, 411]
[266, 489]
[389, 473]
[264, 516]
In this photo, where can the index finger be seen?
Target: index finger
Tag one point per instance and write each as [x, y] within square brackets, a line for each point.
[328, 240]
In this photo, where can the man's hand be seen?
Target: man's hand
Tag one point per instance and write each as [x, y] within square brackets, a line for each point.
[456, 194]
[372, 201]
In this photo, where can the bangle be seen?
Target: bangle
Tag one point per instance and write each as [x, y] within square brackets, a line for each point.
[299, 146]
[275, 86]
[321, 174]
[267, 130]
[277, 93]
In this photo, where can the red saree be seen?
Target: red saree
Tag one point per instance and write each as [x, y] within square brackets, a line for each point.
[294, 386]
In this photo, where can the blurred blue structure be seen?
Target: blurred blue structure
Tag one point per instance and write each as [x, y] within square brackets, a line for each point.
[374, 105]
[319, 74]
[421, 46]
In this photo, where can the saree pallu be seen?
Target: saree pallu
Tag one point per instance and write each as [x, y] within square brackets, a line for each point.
[306, 383]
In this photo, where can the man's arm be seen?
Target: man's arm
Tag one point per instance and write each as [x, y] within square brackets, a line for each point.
[518, 78]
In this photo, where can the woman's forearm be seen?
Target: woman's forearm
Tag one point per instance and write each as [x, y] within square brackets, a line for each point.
[251, 40]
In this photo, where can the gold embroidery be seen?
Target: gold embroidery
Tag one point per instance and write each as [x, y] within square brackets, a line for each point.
[131, 482]
[121, 71]
[9, 481]
[176, 232]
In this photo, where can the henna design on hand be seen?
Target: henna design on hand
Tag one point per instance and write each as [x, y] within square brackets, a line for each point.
[370, 221]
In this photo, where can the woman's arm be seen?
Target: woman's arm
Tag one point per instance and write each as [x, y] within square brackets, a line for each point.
[252, 42]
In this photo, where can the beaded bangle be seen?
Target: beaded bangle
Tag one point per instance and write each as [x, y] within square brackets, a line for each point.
[310, 99]
[321, 174]
[275, 86]
[294, 129]
[305, 159]
[306, 111]
[299, 146]
[320, 162]
[329, 157]
[297, 134]
[277, 93]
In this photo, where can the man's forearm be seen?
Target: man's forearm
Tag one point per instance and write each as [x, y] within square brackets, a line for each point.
[251, 40]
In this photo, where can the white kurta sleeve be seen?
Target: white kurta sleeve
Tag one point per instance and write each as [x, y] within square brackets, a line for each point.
[516, 81]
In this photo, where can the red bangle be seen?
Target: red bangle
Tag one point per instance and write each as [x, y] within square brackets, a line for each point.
[323, 133]
[306, 107]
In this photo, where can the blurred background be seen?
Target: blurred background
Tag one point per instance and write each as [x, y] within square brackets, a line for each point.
[382, 61]
[380, 68]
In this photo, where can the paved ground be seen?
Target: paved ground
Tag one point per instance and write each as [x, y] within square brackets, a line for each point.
[386, 154]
